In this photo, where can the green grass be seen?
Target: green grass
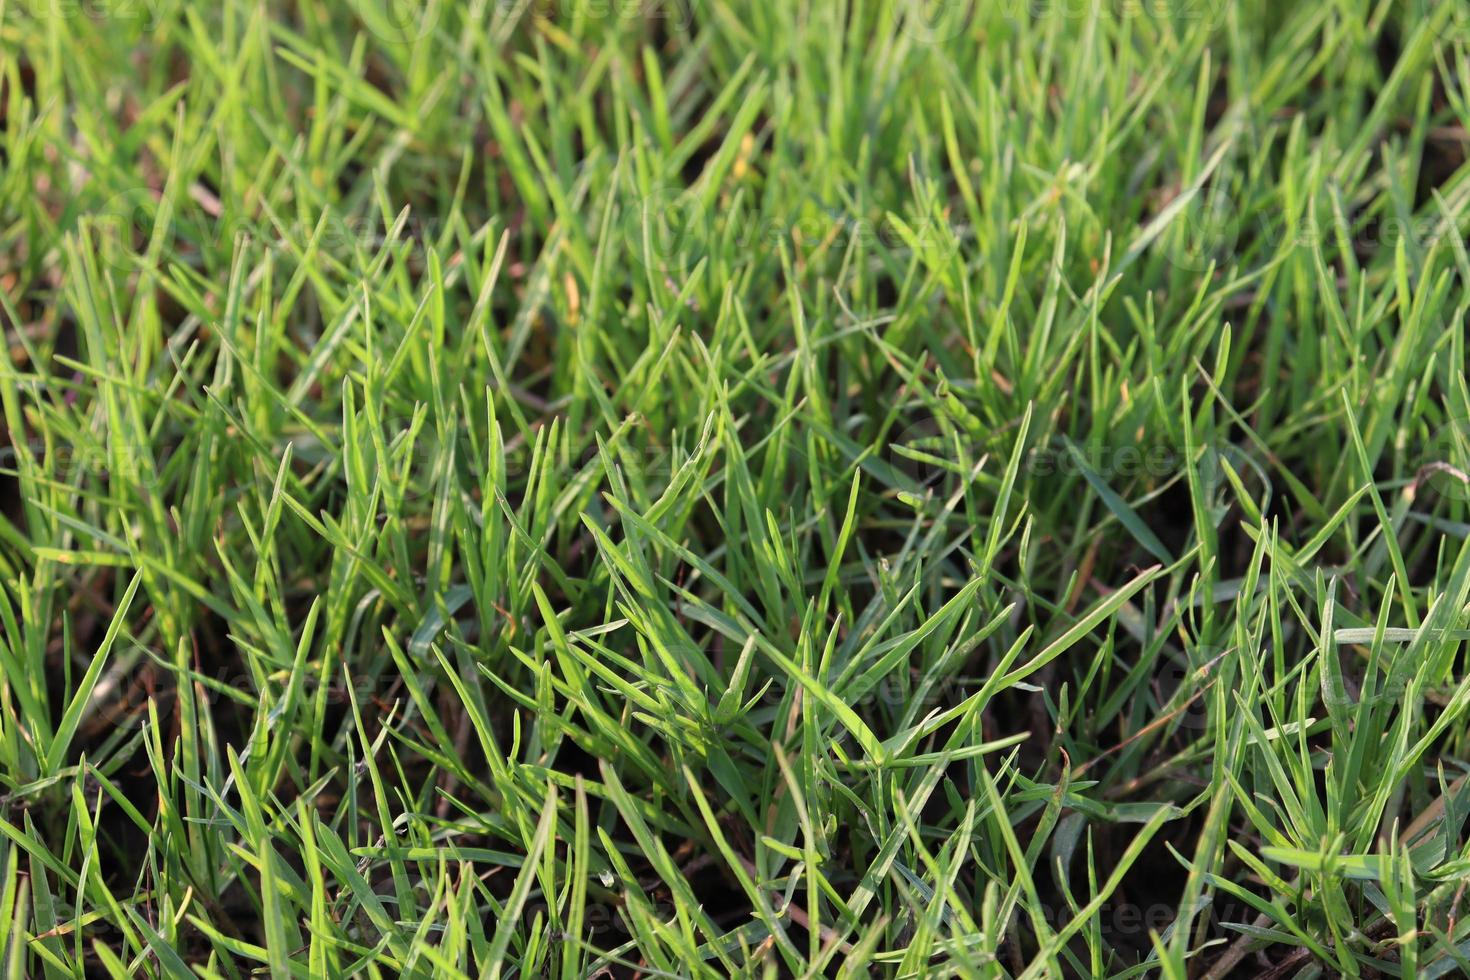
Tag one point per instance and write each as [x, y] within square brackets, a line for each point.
[692, 488]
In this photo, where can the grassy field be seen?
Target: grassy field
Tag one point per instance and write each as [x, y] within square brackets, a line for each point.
[693, 488]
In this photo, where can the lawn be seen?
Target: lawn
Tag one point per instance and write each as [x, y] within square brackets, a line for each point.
[698, 488]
